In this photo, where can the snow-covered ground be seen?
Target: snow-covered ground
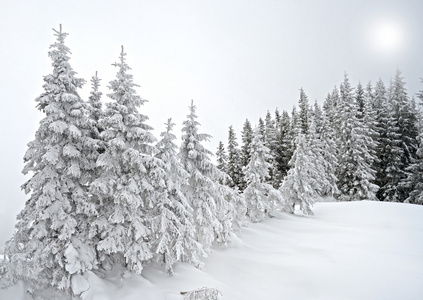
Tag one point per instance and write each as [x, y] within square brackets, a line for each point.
[355, 250]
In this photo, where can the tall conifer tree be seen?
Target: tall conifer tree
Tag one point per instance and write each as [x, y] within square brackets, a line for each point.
[172, 218]
[51, 245]
[284, 149]
[326, 148]
[234, 169]
[247, 137]
[213, 214]
[304, 116]
[414, 181]
[407, 124]
[222, 161]
[300, 185]
[124, 187]
[355, 173]
[260, 197]
[96, 112]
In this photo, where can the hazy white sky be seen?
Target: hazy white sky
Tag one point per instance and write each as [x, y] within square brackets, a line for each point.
[235, 58]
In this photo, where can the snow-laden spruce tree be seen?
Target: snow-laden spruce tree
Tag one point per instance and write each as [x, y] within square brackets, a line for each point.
[221, 158]
[300, 185]
[172, 219]
[95, 107]
[406, 120]
[312, 167]
[304, 113]
[234, 168]
[324, 148]
[212, 213]
[414, 180]
[415, 176]
[372, 113]
[271, 142]
[245, 153]
[231, 195]
[284, 145]
[355, 170]
[260, 197]
[332, 110]
[51, 246]
[124, 187]
[247, 137]
[388, 151]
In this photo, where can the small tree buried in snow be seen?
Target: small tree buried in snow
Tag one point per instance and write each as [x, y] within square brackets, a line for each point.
[300, 185]
[260, 197]
[202, 294]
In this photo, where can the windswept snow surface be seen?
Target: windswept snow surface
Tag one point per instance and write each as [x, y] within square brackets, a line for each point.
[354, 250]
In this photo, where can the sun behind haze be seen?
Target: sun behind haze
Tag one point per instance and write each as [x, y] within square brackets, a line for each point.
[387, 36]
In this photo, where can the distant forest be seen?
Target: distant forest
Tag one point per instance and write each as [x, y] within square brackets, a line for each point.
[364, 143]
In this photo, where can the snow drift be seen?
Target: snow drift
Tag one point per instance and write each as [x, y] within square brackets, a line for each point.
[351, 250]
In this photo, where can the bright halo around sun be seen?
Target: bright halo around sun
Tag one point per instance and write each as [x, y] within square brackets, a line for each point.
[386, 37]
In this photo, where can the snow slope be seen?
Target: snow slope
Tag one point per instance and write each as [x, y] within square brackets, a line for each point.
[354, 250]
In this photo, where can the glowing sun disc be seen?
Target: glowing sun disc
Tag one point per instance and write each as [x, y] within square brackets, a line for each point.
[386, 37]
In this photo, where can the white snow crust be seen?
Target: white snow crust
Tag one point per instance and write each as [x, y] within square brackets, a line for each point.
[351, 250]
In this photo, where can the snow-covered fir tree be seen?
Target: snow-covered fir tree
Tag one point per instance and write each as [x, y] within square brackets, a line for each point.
[355, 173]
[234, 169]
[95, 108]
[406, 120]
[332, 111]
[51, 246]
[172, 219]
[278, 117]
[326, 152]
[304, 113]
[329, 106]
[387, 141]
[360, 101]
[125, 188]
[414, 181]
[366, 117]
[300, 185]
[222, 161]
[372, 112]
[270, 130]
[295, 126]
[271, 142]
[247, 137]
[260, 197]
[232, 164]
[389, 153]
[284, 149]
[262, 129]
[213, 214]
[95, 114]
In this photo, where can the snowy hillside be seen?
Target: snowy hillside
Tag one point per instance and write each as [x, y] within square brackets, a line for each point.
[353, 250]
